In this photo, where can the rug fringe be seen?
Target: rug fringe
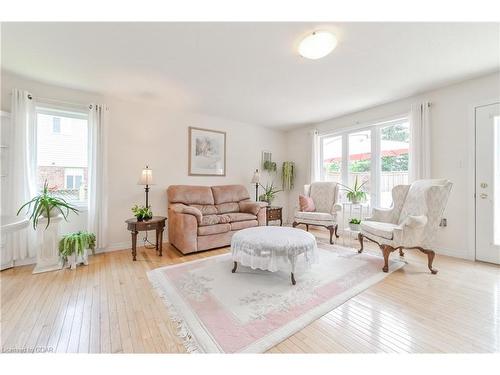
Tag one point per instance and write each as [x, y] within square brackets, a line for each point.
[183, 331]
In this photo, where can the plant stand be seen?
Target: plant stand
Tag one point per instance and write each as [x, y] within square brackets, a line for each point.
[350, 211]
[47, 255]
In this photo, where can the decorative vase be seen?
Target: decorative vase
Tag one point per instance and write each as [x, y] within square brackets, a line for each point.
[354, 227]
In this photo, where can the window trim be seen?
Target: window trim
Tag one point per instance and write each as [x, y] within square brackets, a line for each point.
[374, 128]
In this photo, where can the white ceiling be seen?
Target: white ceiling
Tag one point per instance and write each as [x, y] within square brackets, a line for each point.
[252, 72]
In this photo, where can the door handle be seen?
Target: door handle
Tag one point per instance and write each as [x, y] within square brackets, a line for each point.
[483, 195]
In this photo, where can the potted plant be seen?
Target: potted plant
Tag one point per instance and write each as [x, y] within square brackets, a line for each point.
[270, 192]
[287, 175]
[356, 193]
[354, 224]
[142, 212]
[73, 247]
[47, 205]
[269, 166]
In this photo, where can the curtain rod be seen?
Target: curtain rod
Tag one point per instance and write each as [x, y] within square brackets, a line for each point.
[30, 96]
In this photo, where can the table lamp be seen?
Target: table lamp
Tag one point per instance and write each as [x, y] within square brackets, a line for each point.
[255, 180]
[146, 179]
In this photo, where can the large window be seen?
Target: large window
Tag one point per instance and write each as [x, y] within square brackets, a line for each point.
[377, 155]
[62, 153]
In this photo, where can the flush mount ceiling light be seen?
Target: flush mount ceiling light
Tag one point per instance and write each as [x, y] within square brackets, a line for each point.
[317, 45]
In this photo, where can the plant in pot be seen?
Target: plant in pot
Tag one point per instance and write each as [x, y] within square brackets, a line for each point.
[270, 192]
[47, 205]
[269, 166]
[287, 175]
[354, 224]
[355, 194]
[142, 212]
[74, 247]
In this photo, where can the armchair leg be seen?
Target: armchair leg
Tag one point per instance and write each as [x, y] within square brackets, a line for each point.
[294, 224]
[331, 228]
[307, 227]
[386, 251]
[336, 229]
[430, 258]
[360, 239]
[401, 253]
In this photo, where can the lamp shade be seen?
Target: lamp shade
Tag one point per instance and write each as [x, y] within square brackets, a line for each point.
[146, 177]
[256, 177]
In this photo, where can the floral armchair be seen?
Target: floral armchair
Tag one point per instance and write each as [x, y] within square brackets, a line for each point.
[411, 223]
[324, 196]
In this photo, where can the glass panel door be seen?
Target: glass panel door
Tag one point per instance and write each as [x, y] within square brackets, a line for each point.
[359, 161]
[331, 163]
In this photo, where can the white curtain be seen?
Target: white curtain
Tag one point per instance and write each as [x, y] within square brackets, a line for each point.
[97, 185]
[314, 174]
[420, 142]
[22, 179]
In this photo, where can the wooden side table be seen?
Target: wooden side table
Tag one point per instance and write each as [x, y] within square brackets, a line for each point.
[156, 223]
[274, 213]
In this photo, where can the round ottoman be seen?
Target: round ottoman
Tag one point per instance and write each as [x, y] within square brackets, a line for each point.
[272, 248]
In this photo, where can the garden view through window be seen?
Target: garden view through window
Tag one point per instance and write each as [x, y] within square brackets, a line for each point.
[62, 153]
[376, 156]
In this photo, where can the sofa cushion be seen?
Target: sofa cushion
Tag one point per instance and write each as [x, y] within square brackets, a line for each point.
[206, 209]
[244, 224]
[214, 219]
[229, 193]
[322, 216]
[213, 229]
[227, 207]
[384, 230]
[240, 216]
[188, 194]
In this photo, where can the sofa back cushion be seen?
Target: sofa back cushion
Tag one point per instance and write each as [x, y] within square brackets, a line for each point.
[229, 193]
[225, 208]
[188, 194]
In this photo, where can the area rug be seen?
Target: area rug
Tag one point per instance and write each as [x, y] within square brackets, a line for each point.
[250, 311]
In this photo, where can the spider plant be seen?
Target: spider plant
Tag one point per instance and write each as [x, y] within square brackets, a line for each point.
[44, 203]
[356, 193]
[76, 242]
[270, 192]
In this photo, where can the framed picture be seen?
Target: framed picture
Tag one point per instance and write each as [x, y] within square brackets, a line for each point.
[207, 152]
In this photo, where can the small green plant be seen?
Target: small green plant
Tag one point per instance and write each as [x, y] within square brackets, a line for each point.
[356, 193]
[76, 242]
[287, 175]
[355, 221]
[44, 203]
[142, 212]
[269, 166]
[270, 192]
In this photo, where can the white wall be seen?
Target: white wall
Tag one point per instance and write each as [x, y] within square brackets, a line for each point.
[452, 150]
[141, 134]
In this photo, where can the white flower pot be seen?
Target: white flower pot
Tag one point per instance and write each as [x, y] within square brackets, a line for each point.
[75, 259]
[354, 227]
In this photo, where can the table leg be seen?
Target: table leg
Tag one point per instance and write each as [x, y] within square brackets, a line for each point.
[234, 268]
[161, 242]
[157, 236]
[134, 244]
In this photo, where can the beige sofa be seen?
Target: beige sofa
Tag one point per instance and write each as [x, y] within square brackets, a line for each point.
[206, 217]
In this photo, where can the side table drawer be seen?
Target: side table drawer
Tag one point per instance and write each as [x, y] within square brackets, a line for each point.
[274, 214]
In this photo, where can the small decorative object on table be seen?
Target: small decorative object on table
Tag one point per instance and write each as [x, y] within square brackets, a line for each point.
[142, 212]
[274, 213]
[156, 223]
[73, 248]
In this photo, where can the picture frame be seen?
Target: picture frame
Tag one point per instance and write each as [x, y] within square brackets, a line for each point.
[207, 152]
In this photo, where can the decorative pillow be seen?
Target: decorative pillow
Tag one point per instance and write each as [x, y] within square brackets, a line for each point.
[306, 204]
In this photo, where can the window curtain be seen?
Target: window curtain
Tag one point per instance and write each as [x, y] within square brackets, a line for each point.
[22, 186]
[420, 142]
[314, 169]
[97, 199]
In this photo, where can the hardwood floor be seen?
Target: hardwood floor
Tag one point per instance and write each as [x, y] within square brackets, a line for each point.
[110, 307]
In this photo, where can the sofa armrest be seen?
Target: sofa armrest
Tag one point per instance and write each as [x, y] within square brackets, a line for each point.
[182, 231]
[336, 207]
[251, 207]
[189, 210]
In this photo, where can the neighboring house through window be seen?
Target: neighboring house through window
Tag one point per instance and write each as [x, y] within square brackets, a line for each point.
[62, 152]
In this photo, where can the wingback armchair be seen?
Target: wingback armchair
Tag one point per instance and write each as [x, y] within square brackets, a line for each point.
[324, 196]
[411, 223]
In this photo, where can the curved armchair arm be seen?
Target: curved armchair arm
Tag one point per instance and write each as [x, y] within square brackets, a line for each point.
[183, 209]
[337, 207]
[383, 215]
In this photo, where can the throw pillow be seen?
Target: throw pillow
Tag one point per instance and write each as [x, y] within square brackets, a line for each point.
[306, 204]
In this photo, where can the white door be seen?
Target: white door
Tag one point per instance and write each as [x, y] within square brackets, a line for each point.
[488, 183]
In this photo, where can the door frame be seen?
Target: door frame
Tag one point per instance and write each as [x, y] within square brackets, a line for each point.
[471, 189]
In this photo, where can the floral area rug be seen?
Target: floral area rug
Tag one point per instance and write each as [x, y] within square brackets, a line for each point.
[250, 311]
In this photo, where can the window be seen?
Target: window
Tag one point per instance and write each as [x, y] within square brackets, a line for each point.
[62, 153]
[56, 125]
[376, 155]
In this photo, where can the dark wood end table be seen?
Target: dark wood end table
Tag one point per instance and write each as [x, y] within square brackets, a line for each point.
[274, 213]
[157, 223]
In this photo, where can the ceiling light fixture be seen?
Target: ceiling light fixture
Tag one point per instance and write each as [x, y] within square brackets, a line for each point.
[317, 45]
